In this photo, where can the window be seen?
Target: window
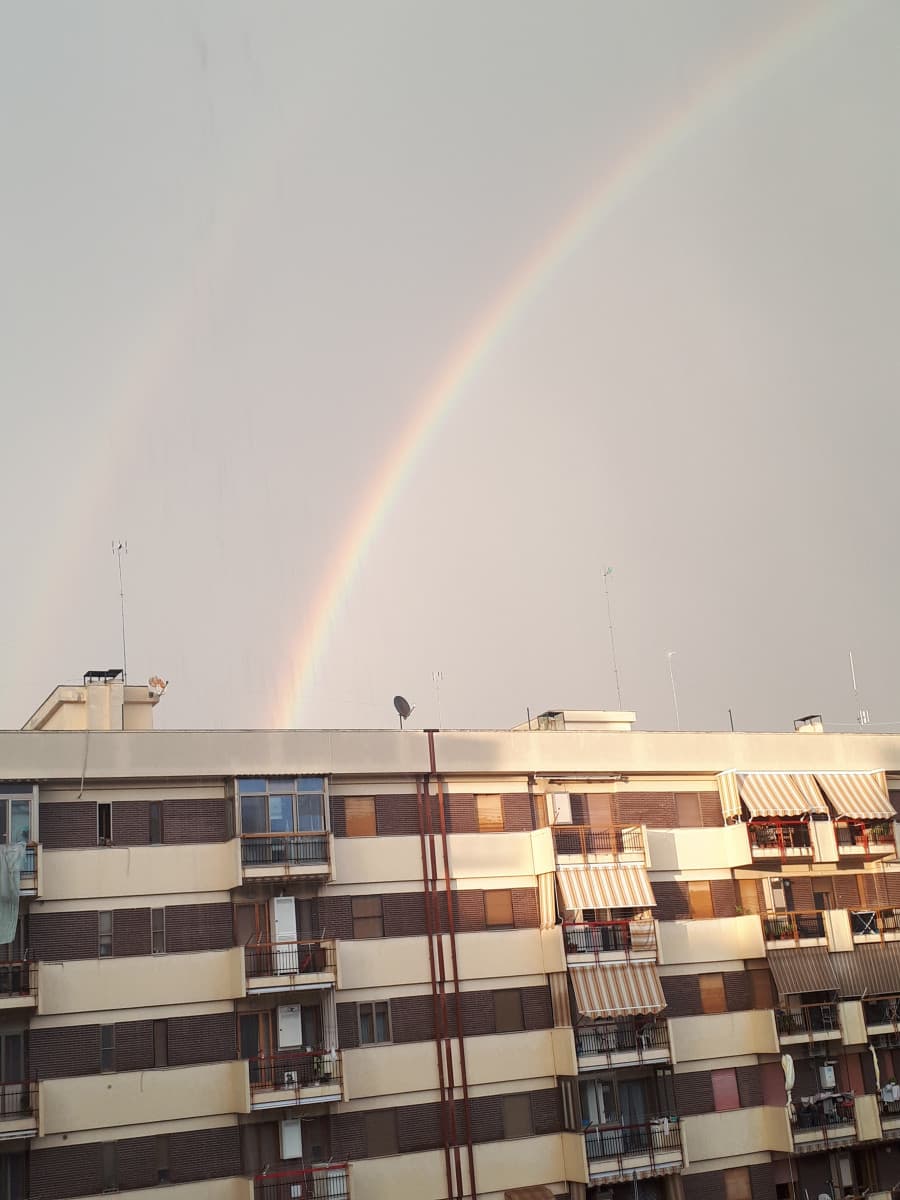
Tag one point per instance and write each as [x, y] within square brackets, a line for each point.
[489, 814]
[508, 1016]
[108, 1157]
[15, 812]
[359, 816]
[689, 814]
[700, 899]
[498, 908]
[374, 1022]
[107, 1048]
[105, 934]
[823, 901]
[381, 1132]
[104, 824]
[749, 895]
[368, 917]
[712, 993]
[517, 1117]
[162, 1159]
[160, 1043]
[157, 930]
[761, 988]
[725, 1090]
[156, 822]
[283, 805]
[737, 1183]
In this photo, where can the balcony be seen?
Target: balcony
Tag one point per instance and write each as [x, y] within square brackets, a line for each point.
[18, 984]
[882, 1015]
[828, 1122]
[875, 924]
[857, 839]
[628, 1151]
[808, 1023]
[622, 1043]
[289, 1077]
[613, 941]
[785, 928]
[614, 843]
[285, 855]
[306, 1183]
[18, 1110]
[890, 1114]
[289, 966]
[28, 876]
[783, 841]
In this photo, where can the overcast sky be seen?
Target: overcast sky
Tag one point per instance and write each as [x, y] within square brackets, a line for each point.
[240, 240]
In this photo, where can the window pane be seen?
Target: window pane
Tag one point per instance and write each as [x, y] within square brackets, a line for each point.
[104, 920]
[725, 1090]
[160, 1043]
[311, 783]
[155, 822]
[489, 813]
[366, 1025]
[251, 787]
[3, 807]
[104, 822]
[382, 1022]
[517, 1116]
[20, 821]
[508, 1011]
[310, 813]
[712, 993]
[359, 816]
[253, 814]
[281, 814]
[700, 900]
[498, 909]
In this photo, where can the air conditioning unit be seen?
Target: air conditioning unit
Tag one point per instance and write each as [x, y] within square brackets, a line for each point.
[291, 1079]
[826, 1076]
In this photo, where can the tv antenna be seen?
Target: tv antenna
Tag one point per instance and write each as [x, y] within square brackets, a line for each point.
[607, 571]
[862, 714]
[403, 709]
[669, 655]
[438, 677]
[118, 549]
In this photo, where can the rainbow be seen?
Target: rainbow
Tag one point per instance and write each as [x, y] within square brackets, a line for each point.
[658, 144]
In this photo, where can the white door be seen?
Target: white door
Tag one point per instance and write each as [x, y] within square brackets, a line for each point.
[290, 1028]
[291, 1144]
[284, 922]
[559, 808]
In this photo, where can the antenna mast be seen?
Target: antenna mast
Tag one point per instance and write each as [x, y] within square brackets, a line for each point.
[862, 714]
[669, 654]
[438, 677]
[118, 549]
[607, 571]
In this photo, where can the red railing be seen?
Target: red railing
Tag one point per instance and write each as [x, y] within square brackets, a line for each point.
[289, 958]
[302, 849]
[609, 937]
[293, 1070]
[876, 837]
[306, 1183]
[790, 838]
[867, 921]
[808, 1019]
[658, 1139]
[627, 1035]
[792, 926]
[610, 841]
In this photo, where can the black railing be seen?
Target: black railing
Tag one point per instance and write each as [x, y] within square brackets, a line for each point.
[284, 849]
[789, 838]
[890, 1108]
[621, 1037]
[309, 1183]
[17, 979]
[885, 1011]
[610, 840]
[17, 1100]
[808, 1019]
[869, 921]
[609, 937]
[655, 1138]
[289, 958]
[293, 1070]
[825, 1115]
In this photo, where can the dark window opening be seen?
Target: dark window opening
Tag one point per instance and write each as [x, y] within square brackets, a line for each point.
[104, 824]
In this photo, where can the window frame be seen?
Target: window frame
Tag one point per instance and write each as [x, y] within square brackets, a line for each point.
[104, 822]
[495, 894]
[108, 1051]
[493, 821]
[291, 786]
[157, 931]
[156, 822]
[372, 1005]
[710, 977]
[105, 939]
[366, 817]
[358, 919]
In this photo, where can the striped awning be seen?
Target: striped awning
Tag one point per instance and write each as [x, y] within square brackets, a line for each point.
[610, 991]
[804, 969]
[858, 794]
[867, 970]
[729, 795]
[625, 885]
[772, 794]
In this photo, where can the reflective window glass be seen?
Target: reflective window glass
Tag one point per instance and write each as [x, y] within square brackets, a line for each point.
[281, 814]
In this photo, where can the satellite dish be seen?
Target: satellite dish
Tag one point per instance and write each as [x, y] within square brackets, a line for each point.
[403, 709]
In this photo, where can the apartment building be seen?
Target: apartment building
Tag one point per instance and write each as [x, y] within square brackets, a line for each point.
[569, 960]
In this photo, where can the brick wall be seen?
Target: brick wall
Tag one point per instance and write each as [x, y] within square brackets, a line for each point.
[397, 815]
[198, 927]
[131, 932]
[738, 990]
[205, 1038]
[336, 916]
[188, 822]
[65, 1052]
[63, 936]
[658, 810]
[420, 1128]
[682, 993]
[671, 900]
[723, 900]
[204, 1154]
[749, 1081]
[134, 1045]
[762, 1181]
[63, 1171]
[693, 1093]
[137, 1163]
[68, 826]
[131, 823]
[348, 1136]
[518, 812]
[404, 912]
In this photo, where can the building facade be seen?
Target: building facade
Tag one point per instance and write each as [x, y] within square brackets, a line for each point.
[569, 960]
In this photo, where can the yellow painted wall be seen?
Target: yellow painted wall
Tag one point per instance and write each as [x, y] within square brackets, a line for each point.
[853, 1023]
[500, 1057]
[868, 1118]
[378, 962]
[542, 852]
[136, 1097]
[722, 1035]
[824, 840]
[94, 985]
[574, 1157]
[140, 870]
[377, 859]
[564, 1055]
[554, 954]
[694, 849]
[477, 856]
[207, 1189]
[837, 929]
[743, 1131]
[487, 956]
[389, 1070]
[520, 1163]
[715, 940]
[414, 1175]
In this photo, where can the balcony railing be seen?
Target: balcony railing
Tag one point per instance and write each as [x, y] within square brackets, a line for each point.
[610, 937]
[293, 1070]
[825, 1115]
[28, 872]
[888, 1108]
[866, 922]
[17, 978]
[612, 841]
[659, 1140]
[614, 1039]
[854, 836]
[884, 1011]
[284, 849]
[789, 838]
[289, 958]
[808, 1019]
[17, 1100]
[792, 926]
[306, 1183]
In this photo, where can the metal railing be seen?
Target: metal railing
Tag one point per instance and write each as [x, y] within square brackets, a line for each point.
[868, 921]
[825, 1115]
[293, 1070]
[306, 1183]
[17, 978]
[657, 1138]
[889, 1108]
[622, 1036]
[289, 958]
[613, 840]
[883, 1011]
[28, 873]
[792, 926]
[856, 835]
[609, 937]
[18, 1100]
[790, 838]
[808, 1019]
[284, 849]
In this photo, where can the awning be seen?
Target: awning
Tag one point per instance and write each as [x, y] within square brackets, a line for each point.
[610, 991]
[858, 794]
[770, 794]
[625, 885]
[871, 970]
[804, 969]
[729, 795]
[529, 1193]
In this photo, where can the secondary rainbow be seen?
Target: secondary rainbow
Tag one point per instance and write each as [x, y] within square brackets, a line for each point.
[656, 146]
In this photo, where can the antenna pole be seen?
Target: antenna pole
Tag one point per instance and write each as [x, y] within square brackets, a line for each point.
[607, 571]
[438, 677]
[731, 719]
[862, 714]
[118, 549]
[669, 655]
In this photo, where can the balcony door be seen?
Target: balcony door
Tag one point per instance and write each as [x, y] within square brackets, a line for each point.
[13, 1089]
[255, 1031]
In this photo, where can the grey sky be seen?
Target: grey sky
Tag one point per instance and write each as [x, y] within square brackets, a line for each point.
[240, 240]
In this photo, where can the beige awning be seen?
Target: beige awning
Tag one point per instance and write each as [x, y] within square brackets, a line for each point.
[610, 991]
[804, 969]
[529, 1193]
[858, 794]
[772, 794]
[729, 795]
[625, 885]
[867, 970]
